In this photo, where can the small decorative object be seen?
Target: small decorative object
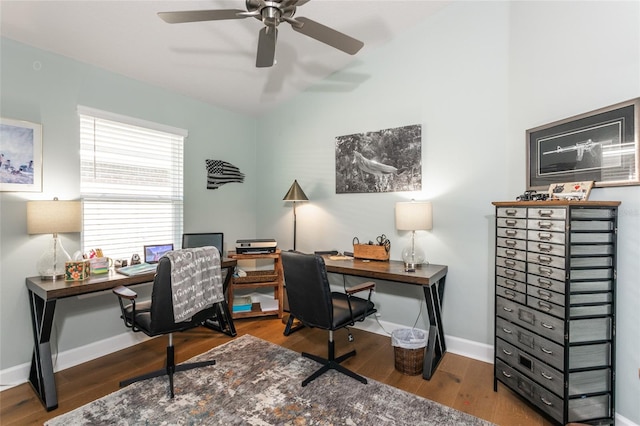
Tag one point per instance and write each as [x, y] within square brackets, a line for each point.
[20, 156]
[294, 194]
[53, 217]
[220, 172]
[600, 146]
[76, 270]
[570, 190]
[413, 216]
[100, 265]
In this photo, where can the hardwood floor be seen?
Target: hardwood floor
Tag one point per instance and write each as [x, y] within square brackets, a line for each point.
[462, 383]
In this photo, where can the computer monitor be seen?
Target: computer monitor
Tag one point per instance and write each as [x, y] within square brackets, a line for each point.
[153, 253]
[215, 239]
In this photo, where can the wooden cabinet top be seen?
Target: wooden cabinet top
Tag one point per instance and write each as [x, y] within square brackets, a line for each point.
[556, 203]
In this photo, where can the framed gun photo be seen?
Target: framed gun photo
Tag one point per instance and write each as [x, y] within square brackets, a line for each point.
[599, 146]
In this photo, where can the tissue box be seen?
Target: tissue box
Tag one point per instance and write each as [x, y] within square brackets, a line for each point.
[76, 270]
[99, 265]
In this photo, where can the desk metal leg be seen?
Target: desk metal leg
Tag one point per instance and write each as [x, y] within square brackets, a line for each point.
[436, 347]
[223, 321]
[41, 374]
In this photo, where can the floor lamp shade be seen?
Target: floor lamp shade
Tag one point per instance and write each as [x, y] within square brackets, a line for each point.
[413, 216]
[294, 194]
[53, 217]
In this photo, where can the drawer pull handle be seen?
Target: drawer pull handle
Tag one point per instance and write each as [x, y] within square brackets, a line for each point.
[546, 213]
[504, 308]
[510, 283]
[511, 212]
[506, 352]
[511, 232]
[547, 271]
[546, 376]
[510, 294]
[545, 247]
[545, 236]
[544, 259]
[545, 401]
[510, 243]
[544, 282]
[511, 222]
[544, 294]
[546, 351]
[510, 252]
[505, 374]
[544, 306]
[506, 330]
[545, 224]
[510, 263]
[548, 326]
[510, 273]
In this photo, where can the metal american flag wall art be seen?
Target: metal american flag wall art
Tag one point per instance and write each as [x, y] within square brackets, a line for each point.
[220, 172]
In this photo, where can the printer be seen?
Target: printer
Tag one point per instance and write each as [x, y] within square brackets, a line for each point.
[257, 246]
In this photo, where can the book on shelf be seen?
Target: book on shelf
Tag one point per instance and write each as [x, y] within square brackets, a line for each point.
[242, 304]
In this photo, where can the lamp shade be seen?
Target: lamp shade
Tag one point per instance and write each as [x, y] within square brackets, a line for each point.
[295, 193]
[52, 217]
[414, 216]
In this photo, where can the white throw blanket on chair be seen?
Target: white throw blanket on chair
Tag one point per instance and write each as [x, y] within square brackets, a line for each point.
[196, 281]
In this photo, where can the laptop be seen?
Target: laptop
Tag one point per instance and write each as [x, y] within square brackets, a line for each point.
[192, 240]
[153, 253]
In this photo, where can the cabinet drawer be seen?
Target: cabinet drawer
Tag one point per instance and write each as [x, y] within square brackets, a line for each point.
[592, 407]
[583, 213]
[510, 273]
[591, 249]
[546, 236]
[550, 327]
[546, 213]
[512, 244]
[546, 283]
[512, 294]
[547, 271]
[519, 212]
[507, 222]
[546, 225]
[591, 225]
[512, 233]
[512, 284]
[547, 351]
[546, 307]
[511, 253]
[591, 262]
[591, 237]
[588, 356]
[589, 330]
[546, 259]
[518, 265]
[550, 378]
[546, 295]
[591, 274]
[546, 248]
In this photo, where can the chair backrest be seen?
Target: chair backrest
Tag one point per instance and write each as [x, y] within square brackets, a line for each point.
[161, 315]
[308, 290]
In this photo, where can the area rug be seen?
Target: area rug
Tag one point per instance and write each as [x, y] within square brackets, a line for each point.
[255, 382]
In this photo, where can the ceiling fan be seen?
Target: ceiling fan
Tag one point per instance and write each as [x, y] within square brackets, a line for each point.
[271, 13]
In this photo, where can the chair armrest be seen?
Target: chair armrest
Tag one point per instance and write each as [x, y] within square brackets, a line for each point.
[369, 285]
[125, 293]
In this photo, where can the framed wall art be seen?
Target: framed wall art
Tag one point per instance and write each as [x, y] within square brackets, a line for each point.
[20, 156]
[599, 146]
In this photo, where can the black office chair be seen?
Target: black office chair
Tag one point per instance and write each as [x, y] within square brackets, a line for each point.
[155, 317]
[312, 302]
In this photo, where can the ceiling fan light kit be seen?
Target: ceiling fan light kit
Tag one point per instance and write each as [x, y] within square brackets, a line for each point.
[271, 13]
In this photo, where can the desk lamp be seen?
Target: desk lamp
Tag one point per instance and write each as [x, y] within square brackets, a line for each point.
[53, 217]
[294, 194]
[413, 216]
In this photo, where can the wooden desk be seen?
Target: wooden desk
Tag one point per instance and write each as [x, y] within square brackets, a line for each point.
[432, 280]
[43, 295]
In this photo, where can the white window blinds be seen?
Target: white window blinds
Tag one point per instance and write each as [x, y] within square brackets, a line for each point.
[131, 183]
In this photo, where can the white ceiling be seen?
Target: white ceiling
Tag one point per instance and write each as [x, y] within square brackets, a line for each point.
[210, 61]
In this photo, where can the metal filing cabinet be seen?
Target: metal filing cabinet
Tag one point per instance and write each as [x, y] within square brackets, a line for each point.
[555, 277]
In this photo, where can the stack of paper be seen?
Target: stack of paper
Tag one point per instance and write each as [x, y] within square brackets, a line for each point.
[269, 305]
[242, 304]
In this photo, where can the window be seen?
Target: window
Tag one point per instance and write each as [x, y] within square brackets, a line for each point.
[131, 183]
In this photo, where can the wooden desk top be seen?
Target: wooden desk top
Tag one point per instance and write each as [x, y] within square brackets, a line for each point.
[391, 270]
[49, 290]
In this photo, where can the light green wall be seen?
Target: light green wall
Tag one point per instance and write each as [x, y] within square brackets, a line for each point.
[476, 76]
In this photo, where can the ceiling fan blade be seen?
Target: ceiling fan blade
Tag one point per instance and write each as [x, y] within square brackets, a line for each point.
[266, 47]
[200, 15]
[328, 36]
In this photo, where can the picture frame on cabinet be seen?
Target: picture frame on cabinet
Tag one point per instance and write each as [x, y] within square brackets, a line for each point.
[20, 155]
[600, 146]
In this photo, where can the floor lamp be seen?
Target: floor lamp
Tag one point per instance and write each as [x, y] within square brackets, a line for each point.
[294, 194]
[53, 217]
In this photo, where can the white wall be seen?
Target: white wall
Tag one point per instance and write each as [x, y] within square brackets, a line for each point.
[476, 76]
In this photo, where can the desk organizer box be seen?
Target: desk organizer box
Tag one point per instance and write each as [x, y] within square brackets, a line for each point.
[76, 270]
[370, 252]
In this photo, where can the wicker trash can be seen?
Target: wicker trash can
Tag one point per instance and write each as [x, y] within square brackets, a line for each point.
[408, 346]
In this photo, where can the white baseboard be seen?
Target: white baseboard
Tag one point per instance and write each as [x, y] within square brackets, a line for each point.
[19, 374]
